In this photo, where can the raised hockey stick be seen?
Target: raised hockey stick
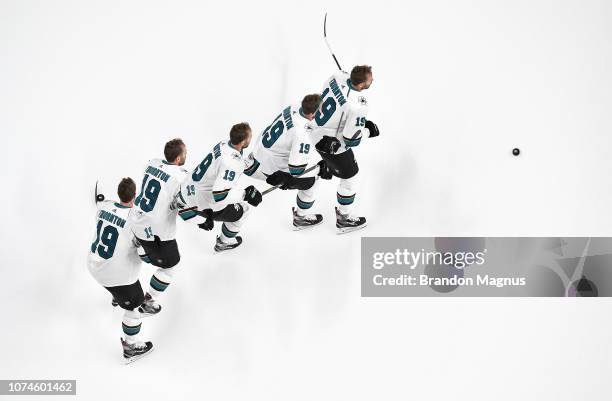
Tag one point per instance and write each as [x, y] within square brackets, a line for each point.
[335, 59]
[327, 42]
[99, 197]
[308, 170]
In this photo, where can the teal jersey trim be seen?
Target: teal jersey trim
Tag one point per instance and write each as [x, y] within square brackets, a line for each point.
[220, 196]
[252, 169]
[350, 85]
[232, 146]
[187, 214]
[296, 170]
[351, 143]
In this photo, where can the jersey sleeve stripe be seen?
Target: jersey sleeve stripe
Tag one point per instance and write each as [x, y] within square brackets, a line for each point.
[220, 195]
[297, 169]
[349, 143]
[252, 168]
[187, 214]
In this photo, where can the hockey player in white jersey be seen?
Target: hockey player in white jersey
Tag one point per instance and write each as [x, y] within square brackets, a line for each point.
[281, 155]
[209, 193]
[154, 218]
[342, 123]
[114, 262]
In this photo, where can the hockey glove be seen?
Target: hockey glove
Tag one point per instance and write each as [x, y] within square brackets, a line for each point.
[279, 178]
[208, 223]
[328, 144]
[324, 170]
[252, 195]
[373, 128]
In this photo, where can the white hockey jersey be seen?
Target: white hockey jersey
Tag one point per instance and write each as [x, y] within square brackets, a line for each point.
[210, 183]
[154, 212]
[284, 145]
[113, 259]
[342, 113]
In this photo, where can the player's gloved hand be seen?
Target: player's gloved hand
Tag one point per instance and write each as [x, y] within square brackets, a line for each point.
[324, 171]
[208, 223]
[252, 195]
[373, 128]
[328, 144]
[279, 178]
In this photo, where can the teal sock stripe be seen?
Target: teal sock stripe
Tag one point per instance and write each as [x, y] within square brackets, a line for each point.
[303, 205]
[349, 143]
[251, 170]
[157, 284]
[227, 232]
[345, 200]
[220, 196]
[131, 330]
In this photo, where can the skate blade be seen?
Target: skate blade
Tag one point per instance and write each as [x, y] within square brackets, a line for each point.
[145, 314]
[217, 251]
[346, 230]
[300, 228]
[127, 361]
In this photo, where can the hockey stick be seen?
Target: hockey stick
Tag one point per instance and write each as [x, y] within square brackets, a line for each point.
[99, 197]
[267, 191]
[308, 170]
[335, 59]
[327, 42]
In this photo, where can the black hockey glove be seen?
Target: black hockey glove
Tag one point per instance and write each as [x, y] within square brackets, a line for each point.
[373, 128]
[208, 223]
[252, 195]
[279, 178]
[324, 170]
[328, 144]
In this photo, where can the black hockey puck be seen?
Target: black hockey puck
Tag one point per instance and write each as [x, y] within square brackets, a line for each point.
[516, 151]
[99, 198]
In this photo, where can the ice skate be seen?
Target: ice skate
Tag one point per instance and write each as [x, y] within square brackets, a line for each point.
[136, 350]
[346, 223]
[221, 245]
[149, 307]
[301, 222]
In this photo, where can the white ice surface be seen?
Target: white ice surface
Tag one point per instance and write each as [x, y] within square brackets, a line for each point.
[91, 90]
